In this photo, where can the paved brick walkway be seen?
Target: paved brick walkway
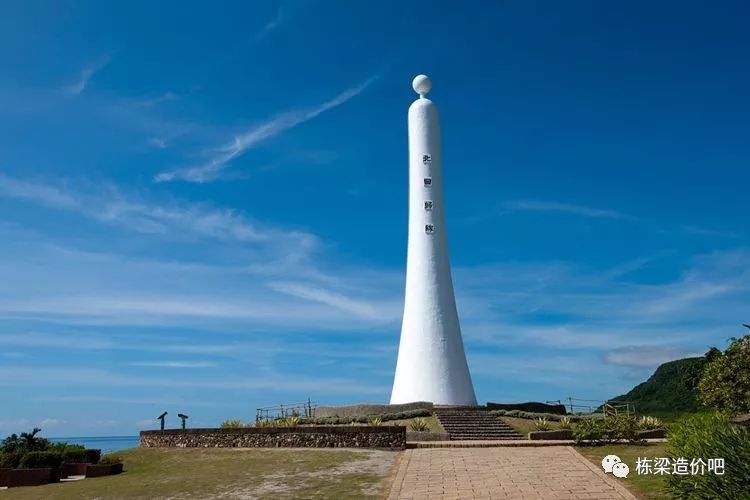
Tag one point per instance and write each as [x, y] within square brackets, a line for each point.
[524, 473]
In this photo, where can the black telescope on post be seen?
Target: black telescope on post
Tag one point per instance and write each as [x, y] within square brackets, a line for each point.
[161, 417]
[183, 418]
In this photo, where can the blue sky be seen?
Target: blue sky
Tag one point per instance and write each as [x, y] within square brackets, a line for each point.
[203, 206]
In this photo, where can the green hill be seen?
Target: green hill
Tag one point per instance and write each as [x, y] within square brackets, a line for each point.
[671, 390]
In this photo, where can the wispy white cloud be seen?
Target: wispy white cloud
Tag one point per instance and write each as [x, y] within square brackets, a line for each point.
[173, 364]
[108, 204]
[645, 356]
[366, 309]
[51, 422]
[146, 102]
[272, 24]
[80, 85]
[24, 376]
[566, 208]
[261, 132]
[158, 142]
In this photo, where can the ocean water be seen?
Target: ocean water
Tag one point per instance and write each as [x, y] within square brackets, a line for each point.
[105, 443]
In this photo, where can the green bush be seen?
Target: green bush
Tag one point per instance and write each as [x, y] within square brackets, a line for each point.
[233, 423]
[704, 436]
[10, 460]
[542, 424]
[725, 383]
[292, 421]
[40, 460]
[74, 455]
[597, 431]
[548, 416]
[565, 422]
[93, 456]
[376, 422]
[110, 460]
[419, 425]
[648, 423]
[365, 419]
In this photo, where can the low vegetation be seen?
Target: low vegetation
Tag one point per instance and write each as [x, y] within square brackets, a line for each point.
[565, 422]
[552, 417]
[542, 424]
[365, 419]
[646, 486]
[28, 451]
[709, 436]
[610, 429]
[419, 424]
[233, 423]
[201, 473]
[725, 383]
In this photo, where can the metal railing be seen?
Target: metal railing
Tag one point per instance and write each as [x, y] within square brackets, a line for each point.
[304, 409]
[578, 405]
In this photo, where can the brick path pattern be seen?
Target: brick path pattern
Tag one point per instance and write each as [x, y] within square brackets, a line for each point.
[519, 473]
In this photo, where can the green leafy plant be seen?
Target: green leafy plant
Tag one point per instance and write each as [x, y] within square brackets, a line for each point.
[419, 425]
[234, 423]
[110, 460]
[40, 460]
[292, 421]
[376, 422]
[704, 436]
[542, 424]
[93, 455]
[10, 460]
[647, 423]
[725, 383]
[263, 422]
[606, 430]
[565, 422]
[74, 455]
[365, 419]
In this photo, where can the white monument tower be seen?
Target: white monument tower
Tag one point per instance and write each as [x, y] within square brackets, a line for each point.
[431, 362]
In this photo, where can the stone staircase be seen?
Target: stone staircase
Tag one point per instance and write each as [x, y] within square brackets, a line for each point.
[473, 422]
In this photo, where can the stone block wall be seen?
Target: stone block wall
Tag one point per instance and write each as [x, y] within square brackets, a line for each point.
[385, 437]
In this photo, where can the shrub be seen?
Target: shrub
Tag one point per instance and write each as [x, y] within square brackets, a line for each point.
[93, 456]
[596, 431]
[548, 416]
[419, 425]
[232, 424]
[290, 422]
[376, 422]
[647, 423]
[365, 419]
[74, 455]
[542, 424]
[565, 423]
[263, 422]
[725, 383]
[110, 460]
[10, 460]
[707, 436]
[40, 460]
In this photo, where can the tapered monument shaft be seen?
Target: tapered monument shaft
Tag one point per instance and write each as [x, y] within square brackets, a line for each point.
[431, 362]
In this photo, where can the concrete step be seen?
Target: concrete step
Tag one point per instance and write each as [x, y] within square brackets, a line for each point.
[473, 424]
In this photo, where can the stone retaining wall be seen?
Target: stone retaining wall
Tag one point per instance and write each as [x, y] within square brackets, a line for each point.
[388, 437]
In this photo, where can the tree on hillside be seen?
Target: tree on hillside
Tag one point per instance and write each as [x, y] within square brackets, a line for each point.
[725, 383]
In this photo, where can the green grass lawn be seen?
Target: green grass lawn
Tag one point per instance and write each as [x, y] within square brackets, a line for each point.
[644, 486]
[525, 425]
[432, 422]
[231, 473]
